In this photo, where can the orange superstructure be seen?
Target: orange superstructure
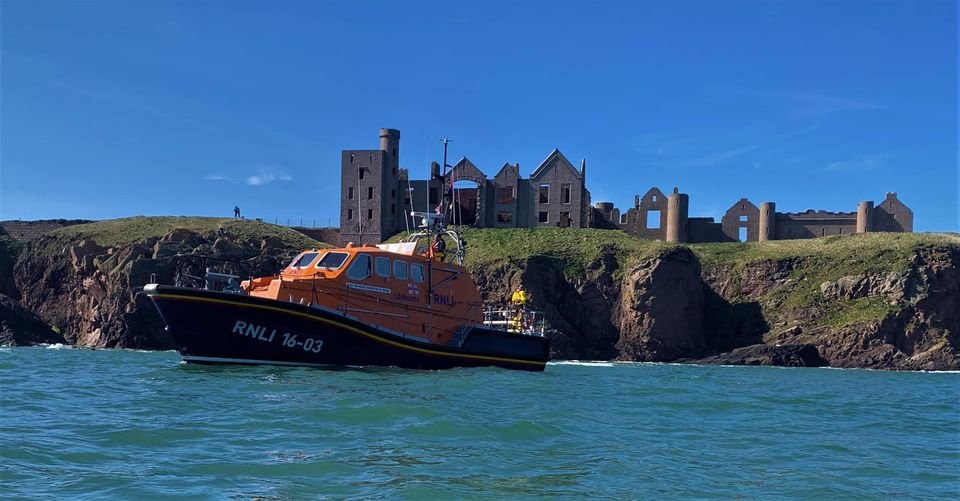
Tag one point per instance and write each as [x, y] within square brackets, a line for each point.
[389, 286]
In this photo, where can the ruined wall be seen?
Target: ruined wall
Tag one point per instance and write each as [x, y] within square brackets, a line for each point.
[742, 214]
[813, 224]
[26, 231]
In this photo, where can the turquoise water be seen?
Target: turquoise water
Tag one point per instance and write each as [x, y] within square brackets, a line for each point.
[82, 424]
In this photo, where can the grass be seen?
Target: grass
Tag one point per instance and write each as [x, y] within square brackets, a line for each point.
[116, 232]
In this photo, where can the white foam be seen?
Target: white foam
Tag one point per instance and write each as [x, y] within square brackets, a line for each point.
[585, 363]
[58, 346]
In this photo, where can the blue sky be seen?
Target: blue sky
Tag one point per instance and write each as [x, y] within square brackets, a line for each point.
[111, 109]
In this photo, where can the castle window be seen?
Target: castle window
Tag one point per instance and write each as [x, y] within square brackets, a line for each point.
[394, 156]
[349, 213]
[393, 194]
[350, 193]
[369, 213]
[361, 173]
[544, 193]
[393, 209]
[565, 193]
[504, 217]
[543, 217]
[653, 220]
[370, 193]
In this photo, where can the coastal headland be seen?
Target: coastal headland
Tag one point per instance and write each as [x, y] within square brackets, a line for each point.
[874, 300]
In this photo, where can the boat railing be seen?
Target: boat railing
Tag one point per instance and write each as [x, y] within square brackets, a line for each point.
[518, 321]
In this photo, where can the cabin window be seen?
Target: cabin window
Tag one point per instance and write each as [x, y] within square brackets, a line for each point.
[383, 266]
[332, 260]
[360, 268]
[416, 272]
[304, 260]
[400, 270]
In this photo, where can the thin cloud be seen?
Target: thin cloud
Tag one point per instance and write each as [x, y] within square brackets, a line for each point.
[863, 163]
[262, 177]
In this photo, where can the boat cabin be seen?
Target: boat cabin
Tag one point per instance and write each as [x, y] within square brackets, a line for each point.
[389, 286]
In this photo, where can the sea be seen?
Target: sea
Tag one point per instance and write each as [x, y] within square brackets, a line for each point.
[121, 424]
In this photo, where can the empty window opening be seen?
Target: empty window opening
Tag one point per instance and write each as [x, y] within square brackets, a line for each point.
[544, 193]
[564, 219]
[369, 213]
[393, 193]
[394, 156]
[653, 220]
[743, 219]
[350, 193]
[370, 193]
[742, 236]
[505, 217]
[434, 196]
[544, 217]
[653, 198]
[565, 193]
[393, 209]
[349, 213]
[361, 173]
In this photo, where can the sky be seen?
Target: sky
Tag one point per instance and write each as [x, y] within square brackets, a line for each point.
[146, 107]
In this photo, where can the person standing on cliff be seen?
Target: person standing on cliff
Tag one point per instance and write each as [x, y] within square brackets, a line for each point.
[236, 212]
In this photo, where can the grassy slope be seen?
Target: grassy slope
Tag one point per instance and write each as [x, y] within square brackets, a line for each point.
[815, 260]
[116, 232]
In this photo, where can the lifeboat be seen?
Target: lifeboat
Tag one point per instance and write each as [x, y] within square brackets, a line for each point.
[359, 305]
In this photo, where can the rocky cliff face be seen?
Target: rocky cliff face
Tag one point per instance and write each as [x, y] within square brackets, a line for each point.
[663, 305]
[93, 293]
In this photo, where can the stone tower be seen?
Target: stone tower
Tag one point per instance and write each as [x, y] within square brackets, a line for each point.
[368, 191]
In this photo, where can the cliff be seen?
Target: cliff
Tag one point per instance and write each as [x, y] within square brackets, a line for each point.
[886, 301]
[87, 280]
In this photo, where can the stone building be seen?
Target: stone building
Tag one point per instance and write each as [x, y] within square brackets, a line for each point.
[377, 196]
[657, 217]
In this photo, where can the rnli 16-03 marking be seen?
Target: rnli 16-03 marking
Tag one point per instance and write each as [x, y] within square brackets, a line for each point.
[259, 332]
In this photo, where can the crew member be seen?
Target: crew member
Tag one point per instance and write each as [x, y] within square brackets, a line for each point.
[519, 298]
[439, 249]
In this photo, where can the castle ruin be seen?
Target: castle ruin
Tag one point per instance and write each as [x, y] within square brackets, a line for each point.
[377, 197]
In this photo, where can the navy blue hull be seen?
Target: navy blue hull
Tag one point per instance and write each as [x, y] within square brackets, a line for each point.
[217, 327]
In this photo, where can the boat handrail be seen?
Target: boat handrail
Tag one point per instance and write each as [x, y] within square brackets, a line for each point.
[519, 321]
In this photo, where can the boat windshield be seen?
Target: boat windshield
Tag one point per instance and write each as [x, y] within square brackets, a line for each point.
[304, 260]
[332, 260]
